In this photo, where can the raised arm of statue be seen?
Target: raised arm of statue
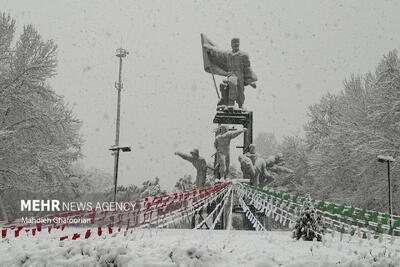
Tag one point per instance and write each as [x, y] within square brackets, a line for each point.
[280, 169]
[236, 133]
[184, 156]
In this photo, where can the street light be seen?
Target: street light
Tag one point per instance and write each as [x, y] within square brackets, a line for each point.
[388, 159]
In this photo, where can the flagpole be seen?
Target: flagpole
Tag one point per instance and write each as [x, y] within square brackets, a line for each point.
[215, 84]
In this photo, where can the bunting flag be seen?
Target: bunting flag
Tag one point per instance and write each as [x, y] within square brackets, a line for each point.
[337, 212]
[87, 235]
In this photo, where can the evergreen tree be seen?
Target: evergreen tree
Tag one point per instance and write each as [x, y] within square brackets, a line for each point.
[308, 224]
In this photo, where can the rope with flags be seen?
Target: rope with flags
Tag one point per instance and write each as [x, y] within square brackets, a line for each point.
[285, 210]
[163, 211]
[167, 206]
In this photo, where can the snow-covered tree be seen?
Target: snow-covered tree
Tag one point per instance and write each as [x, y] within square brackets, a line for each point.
[308, 224]
[266, 144]
[186, 183]
[42, 135]
[294, 151]
[348, 130]
[39, 135]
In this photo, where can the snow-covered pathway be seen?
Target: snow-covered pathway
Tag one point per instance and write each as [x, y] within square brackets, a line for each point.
[172, 247]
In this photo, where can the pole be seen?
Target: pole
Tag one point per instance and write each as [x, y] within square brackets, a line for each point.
[215, 84]
[121, 53]
[390, 195]
[116, 162]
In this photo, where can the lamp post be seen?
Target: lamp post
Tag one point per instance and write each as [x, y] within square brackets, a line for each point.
[120, 53]
[388, 159]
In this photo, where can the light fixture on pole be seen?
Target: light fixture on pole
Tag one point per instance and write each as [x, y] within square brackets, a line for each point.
[388, 159]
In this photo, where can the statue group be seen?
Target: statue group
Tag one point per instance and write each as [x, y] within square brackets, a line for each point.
[234, 65]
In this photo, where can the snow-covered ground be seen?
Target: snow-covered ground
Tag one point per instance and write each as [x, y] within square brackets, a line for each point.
[182, 247]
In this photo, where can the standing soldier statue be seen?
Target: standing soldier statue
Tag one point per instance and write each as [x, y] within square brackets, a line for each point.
[199, 163]
[222, 144]
[235, 65]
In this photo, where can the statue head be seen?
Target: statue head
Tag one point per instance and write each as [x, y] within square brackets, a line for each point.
[235, 43]
[195, 153]
[252, 148]
[279, 158]
[223, 129]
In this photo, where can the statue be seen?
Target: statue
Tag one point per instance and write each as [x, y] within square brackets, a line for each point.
[251, 154]
[235, 65]
[275, 164]
[261, 168]
[199, 163]
[222, 143]
[263, 175]
[247, 168]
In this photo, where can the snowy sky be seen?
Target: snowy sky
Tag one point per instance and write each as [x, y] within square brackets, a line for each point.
[299, 50]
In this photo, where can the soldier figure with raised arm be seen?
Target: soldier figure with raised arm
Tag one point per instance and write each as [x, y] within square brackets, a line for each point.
[222, 143]
[199, 163]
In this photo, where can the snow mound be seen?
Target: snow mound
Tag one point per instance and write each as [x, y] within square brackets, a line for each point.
[186, 248]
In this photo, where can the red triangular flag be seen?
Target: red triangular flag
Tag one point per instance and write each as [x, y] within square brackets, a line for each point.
[87, 235]
[99, 231]
[76, 235]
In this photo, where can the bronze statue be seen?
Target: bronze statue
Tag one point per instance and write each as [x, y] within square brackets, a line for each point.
[222, 143]
[199, 163]
[235, 65]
